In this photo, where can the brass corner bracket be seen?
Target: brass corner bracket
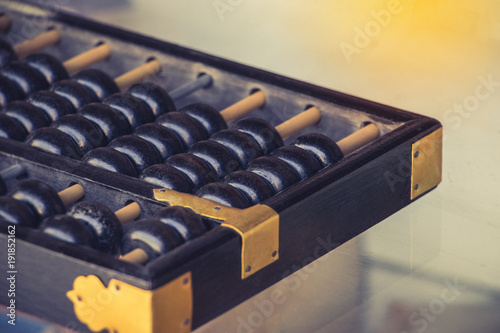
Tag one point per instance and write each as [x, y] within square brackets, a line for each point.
[123, 308]
[426, 163]
[258, 227]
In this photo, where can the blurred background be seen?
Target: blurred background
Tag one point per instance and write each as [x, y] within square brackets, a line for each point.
[433, 266]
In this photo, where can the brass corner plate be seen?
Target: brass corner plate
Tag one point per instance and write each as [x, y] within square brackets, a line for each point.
[258, 227]
[123, 308]
[427, 163]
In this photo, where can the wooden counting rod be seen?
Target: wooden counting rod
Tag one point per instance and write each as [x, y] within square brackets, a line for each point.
[137, 256]
[128, 213]
[138, 74]
[242, 107]
[37, 43]
[71, 194]
[358, 139]
[298, 123]
[87, 58]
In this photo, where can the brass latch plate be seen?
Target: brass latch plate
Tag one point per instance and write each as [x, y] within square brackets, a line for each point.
[258, 227]
[427, 163]
[123, 308]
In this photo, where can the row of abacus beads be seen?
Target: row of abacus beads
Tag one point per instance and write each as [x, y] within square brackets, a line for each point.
[97, 124]
[171, 134]
[94, 225]
[225, 151]
[38, 71]
[35, 204]
[267, 176]
[66, 97]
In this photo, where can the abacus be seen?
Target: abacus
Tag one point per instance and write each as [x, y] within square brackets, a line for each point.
[155, 200]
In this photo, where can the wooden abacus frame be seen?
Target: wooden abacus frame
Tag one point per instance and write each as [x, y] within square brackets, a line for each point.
[204, 276]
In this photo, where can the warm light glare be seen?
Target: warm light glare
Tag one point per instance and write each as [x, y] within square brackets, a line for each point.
[390, 43]
[429, 34]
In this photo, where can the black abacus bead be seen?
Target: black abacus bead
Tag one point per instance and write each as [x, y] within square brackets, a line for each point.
[324, 149]
[11, 128]
[198, 171]
[53, 105]
[85, 134]
[9, 91]
[68, 229]
[187, 128]
[187, 223]
[137, 150]
[49, 66]
[102, 221]
[100, 83]
[302, 162]
[224, 194]
[152, 236]
[7, 52]
[111, 123]
[26, 77]
[131, 108]
[261, 131]
[76, 94]
[208, 116]
[166, 142]
[218, 157]
[54, 141]
[39, 197]
[166, 176]
[16, 212]
[243, 147]
[154, 96]
[254, 187]
[110, 159]
[277, 173]
[27, 114]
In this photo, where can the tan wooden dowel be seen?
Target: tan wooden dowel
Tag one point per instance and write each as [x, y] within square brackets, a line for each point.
[241, 108]
[128, 213]
[87, 58]
[358, 139]
[298, 123]
[5, 22]
[136, 256]
[41, 41]
[71, 194]
[138, 74]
